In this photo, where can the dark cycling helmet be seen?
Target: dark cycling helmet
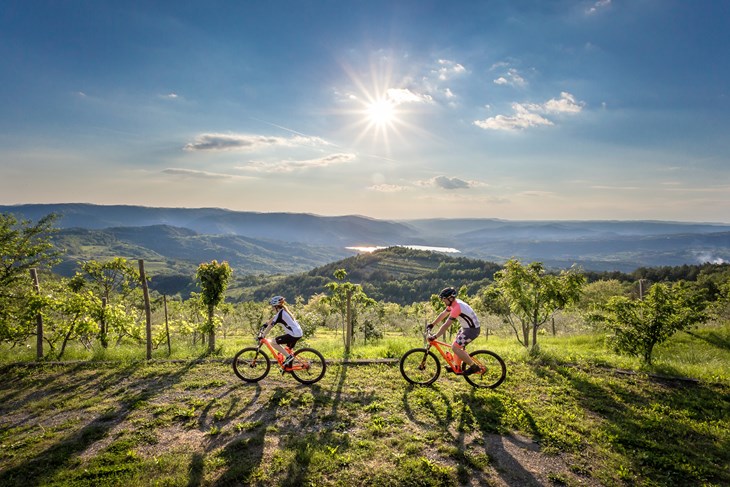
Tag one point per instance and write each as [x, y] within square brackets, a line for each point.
[447, 292]
[276, 300]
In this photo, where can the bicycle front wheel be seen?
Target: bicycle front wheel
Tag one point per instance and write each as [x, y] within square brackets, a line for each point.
[420, 366]
[251, 364]
[308, 366]
[494, 370]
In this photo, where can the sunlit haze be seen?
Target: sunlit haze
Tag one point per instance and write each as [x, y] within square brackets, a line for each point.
[527, 110]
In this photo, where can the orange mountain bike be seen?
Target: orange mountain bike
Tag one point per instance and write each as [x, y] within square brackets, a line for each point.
[251, 364]
[421, 366]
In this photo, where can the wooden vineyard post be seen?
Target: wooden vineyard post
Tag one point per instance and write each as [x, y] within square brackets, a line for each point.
[148, 313]
[39, 318]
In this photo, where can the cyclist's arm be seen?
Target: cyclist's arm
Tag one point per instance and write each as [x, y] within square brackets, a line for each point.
[444, 314]
[269, 325]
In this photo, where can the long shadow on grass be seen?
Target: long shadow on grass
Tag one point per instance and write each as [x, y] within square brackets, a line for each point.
[486, 411]
[661, 428]
[243, 455]
[713, 338]
[62, 454]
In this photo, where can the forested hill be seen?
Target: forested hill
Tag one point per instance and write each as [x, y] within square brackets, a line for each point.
[396, 274]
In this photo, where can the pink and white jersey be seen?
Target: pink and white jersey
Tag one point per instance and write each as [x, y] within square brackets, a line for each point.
[463, 312]
[289, 323]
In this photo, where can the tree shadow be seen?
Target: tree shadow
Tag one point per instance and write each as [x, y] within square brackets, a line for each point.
[41, 468]
[713, 338]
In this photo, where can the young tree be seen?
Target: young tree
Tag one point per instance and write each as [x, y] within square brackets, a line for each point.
[637, 326]
[528, 296]
[23, 246]
[347, 298]
[109, 279]
[213, 279]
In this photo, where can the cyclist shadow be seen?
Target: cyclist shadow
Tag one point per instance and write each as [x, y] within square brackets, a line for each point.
[245, 452]
[506, 452]
[428, 406]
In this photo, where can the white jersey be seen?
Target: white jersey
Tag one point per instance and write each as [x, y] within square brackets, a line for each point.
[463, 312]
[291, 325]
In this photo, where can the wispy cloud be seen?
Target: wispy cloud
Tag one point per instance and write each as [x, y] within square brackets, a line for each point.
[246, 142]
[448, 69]
[387, 188]
[445, 182]
[293, 165]
[511, 78]
[530, 114]
[170, 96]
[190, 173]
[599, 5]
[398, 96]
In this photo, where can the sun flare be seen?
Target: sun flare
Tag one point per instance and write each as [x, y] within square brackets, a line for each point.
[381, 112]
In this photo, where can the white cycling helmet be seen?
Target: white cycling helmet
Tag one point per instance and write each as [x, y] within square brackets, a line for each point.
[276, 300]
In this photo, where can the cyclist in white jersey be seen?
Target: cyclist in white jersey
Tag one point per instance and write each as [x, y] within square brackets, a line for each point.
[456, 309]
[293, 330]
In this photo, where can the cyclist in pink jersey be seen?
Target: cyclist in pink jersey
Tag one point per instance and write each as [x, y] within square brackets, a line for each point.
[456, 309]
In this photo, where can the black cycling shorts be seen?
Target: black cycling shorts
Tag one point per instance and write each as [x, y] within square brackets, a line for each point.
[287, 340]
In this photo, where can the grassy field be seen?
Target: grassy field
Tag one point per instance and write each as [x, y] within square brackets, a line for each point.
[574, 414]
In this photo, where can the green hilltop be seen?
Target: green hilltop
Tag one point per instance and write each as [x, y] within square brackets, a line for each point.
[395, 274]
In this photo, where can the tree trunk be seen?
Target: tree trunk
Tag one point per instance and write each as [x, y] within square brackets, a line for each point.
[148, 312]
[167, 326]
[39, 318]
[102, 325]
[348, 322]
[211, 329]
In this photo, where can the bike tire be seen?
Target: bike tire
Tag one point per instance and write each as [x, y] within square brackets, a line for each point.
[495, 372]
[420, 366]
[251, 364]
[314, 363]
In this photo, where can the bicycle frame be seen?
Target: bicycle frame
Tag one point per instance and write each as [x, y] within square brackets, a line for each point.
[449, 357]
[298, 364]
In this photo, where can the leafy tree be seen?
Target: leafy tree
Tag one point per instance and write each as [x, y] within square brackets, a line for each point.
[345, 297]
[637, 326]
[116, 276]
[23, 246]
[597, 293]
[109, 279]
[528, 296]
[213, 279]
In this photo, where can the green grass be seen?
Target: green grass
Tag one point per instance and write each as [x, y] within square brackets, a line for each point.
[702, 353]
[177, 423]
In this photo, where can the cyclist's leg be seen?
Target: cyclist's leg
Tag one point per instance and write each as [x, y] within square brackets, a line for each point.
[463, 338]
[287, 340]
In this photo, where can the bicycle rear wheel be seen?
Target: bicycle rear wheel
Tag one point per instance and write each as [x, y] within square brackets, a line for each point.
[308, 366]
[251, 364]
[420, 366]
[494, 373]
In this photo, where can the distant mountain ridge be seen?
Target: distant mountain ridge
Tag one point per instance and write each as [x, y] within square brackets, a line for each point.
[289, 242]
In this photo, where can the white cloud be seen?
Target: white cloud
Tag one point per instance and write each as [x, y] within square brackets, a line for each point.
[170, 96]
[521, 119]
[445, 182]
[387, 188]
[448, 69]
[599, 5]
[528, 115]
[401, 95]
[565, 104]
[190, 173]
[291, 165]
[246, 142]
[511, 78]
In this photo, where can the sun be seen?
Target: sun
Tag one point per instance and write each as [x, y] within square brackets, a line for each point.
[381, 113]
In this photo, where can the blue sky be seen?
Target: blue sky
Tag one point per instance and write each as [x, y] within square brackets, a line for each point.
[522, 110]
